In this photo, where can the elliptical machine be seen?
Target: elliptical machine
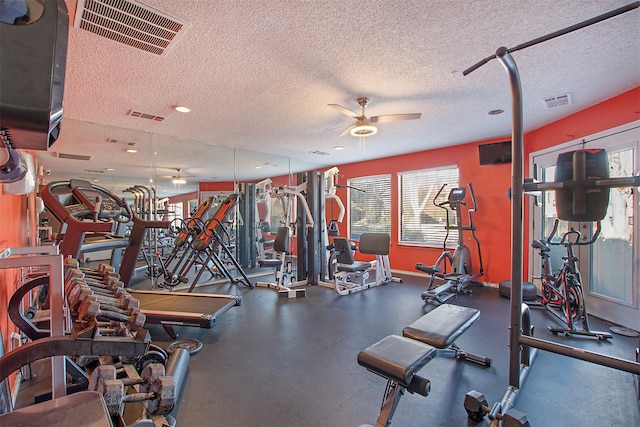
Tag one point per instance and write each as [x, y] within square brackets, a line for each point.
[462, 272]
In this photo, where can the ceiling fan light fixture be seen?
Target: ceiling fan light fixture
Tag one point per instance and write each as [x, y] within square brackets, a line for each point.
[179, 181]
[364, 130]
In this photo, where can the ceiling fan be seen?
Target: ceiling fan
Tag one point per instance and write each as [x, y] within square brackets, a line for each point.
[177, 179]
[364, 126]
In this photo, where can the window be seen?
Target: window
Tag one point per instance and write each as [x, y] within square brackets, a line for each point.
[421, 222]
[369, 205]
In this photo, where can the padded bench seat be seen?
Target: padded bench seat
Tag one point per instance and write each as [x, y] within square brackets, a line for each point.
[356, 266]
[441, 326]
[396, 358]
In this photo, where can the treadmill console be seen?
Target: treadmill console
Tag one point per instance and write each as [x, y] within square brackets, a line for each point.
[101, 203]
[83, 201]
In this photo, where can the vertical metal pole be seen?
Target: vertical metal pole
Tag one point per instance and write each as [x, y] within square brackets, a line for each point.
[301, 235]
[315, 199]
[246, 233]
[516, 215]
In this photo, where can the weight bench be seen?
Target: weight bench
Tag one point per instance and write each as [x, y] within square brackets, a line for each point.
[399, 358]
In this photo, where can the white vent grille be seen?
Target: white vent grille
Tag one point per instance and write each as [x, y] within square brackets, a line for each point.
[130, 22]
[556, 101]
[148, 116]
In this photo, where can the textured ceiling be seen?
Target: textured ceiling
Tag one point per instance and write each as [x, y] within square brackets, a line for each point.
[258, 76]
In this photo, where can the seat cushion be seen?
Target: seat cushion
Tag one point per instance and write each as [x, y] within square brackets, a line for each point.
[441, 326]
[396, 358]
[356, 266]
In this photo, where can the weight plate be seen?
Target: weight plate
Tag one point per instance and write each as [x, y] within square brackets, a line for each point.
[193, 346]
[159, 349]
[150, 357]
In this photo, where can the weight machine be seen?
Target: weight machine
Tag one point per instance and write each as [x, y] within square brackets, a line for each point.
[286, 280]
[523, 345]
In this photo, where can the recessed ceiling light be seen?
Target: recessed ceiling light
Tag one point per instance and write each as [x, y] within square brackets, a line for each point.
[181, 109]
[131, 150]
[496, 112]
[258, 167]
[109, 169]
[338, 147]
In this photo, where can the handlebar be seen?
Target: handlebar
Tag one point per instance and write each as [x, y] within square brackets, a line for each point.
[565, 239]
[441, 204]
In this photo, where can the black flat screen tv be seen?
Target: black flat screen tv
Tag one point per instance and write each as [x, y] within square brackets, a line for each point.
[495, 153]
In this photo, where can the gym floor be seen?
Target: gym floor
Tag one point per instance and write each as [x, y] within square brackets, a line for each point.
[292, 362]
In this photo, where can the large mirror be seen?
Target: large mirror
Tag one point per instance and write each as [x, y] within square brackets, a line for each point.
[118, 158]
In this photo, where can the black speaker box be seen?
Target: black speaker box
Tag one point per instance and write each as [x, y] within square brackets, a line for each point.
[33, 48]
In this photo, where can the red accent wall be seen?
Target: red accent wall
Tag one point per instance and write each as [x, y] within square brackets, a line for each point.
[490, 184]
[13, 233]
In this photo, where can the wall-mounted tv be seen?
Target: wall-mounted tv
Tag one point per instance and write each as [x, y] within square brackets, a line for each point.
[496, 153]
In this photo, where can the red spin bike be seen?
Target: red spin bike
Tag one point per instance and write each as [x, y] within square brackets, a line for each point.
[562, 293]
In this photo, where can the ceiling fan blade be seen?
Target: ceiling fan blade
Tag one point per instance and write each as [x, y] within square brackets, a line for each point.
[344, 110]
[394, 117]
[346, 131]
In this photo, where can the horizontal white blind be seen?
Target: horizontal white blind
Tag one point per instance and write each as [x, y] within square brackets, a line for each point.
[422, 222]
[369, 205]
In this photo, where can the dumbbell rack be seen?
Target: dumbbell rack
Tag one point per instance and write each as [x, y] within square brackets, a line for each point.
[43, 256]
[68, 337]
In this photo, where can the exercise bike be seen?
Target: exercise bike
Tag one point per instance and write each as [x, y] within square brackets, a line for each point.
[462, 273]
[562, 293]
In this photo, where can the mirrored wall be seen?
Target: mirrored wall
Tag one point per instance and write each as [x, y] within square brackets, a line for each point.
[118, 158]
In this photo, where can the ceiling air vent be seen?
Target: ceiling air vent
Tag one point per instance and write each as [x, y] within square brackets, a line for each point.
[556, 101]
[72, 156]
[145, 115]
[130, 22]
[320, 153]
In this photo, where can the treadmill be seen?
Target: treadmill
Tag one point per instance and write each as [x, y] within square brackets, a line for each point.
[183, 309]
[89, 213]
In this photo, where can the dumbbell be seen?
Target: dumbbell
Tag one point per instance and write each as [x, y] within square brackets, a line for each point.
[102, 270]
[120, 299]
[477, 407]
[89, 310]
[94, 275]
[108, 281]
[156, 390]
[111, 328]
[128, 307]
[116, 295]
[107, 291]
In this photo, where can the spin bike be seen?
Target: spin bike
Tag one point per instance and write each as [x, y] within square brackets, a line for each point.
[461, 273]
[562, 293]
